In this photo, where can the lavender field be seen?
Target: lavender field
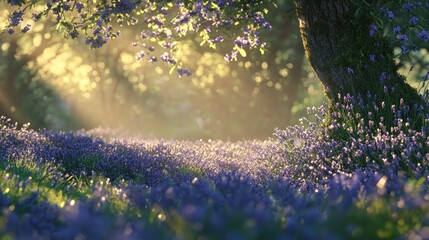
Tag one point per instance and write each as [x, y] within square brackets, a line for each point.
[301, 184]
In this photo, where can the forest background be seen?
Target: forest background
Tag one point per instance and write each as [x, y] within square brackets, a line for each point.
[60, 84]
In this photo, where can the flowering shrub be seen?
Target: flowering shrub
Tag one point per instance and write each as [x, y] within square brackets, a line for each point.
[94, 185]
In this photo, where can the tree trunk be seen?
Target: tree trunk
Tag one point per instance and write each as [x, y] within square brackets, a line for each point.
[338, 45]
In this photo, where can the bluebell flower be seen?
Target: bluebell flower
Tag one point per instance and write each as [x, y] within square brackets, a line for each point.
[16, 18]
[26, 28]
[124, 6]
[15, 2]
[165, 57]
[408, 6]
[184, 72]
[373, 29]
[97, 41]
[79, 6]
[404, 38]
[414, 20]
[423, 35]
[217, 39]
[397, 30]
[74, 34]
[404, 49]
[65, 7]
[389, 13]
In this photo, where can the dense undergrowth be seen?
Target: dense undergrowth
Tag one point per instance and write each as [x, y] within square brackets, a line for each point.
[371, 183]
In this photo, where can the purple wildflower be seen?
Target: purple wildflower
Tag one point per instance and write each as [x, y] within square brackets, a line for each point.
[423, 35]
[389, 13]
[414, 20]
[15, 2]
[65, 7]
[183, 72]
[124, 6]
[397, 30]
[16, 18]
[79, 6]
[373, 29]
[26, 28]
[165, 57]
[408, 6]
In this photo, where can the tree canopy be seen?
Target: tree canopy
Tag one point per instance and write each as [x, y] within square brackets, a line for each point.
[161, 23]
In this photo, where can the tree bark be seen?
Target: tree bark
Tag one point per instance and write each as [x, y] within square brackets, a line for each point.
[338, 45]
[348, 60]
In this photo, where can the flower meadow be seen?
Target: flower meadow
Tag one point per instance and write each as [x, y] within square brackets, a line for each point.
[368, 181]
[359, 170]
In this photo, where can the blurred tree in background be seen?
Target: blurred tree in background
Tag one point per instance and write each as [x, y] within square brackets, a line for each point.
[108, 87]
[24, 95]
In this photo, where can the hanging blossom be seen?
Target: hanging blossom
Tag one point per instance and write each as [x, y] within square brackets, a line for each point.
[99, 22]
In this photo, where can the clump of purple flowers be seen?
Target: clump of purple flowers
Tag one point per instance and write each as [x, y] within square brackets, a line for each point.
[16, 2]
[184, 72]
[16, 18]
[423, 35]
[378, 143]
[411, 17]
[124, 6]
